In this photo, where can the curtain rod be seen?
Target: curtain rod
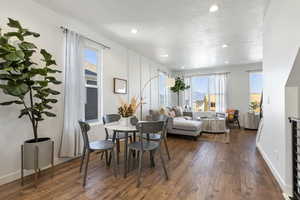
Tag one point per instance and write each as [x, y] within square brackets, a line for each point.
[206, 74]
[255, 70]
[103, 45]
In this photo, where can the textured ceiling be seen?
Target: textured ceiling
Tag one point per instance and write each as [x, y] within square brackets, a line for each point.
[183, 29]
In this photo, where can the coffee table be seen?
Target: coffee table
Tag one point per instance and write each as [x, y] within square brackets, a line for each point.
[213, 125]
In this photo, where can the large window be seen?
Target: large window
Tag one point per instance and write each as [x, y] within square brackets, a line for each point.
[203, 97]
[207, 93]
[92, 71]
[256, 88]
[163, 90]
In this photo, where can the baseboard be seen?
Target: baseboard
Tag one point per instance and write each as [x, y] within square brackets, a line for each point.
[275, 173]
[17, 175]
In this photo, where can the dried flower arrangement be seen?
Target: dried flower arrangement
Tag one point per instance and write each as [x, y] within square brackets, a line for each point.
[126, 109]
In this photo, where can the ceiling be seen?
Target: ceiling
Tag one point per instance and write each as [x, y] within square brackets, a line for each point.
[185, 30]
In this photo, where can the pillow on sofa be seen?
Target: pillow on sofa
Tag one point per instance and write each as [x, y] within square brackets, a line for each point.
[178, 111]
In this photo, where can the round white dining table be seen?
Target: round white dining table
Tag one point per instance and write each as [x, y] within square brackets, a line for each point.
[119, 127]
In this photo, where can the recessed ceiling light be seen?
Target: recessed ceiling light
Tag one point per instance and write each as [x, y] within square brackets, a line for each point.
[224, 45]
[226, 62]
[213, 8]
[182, 67]
[134, 31]
[164, 55]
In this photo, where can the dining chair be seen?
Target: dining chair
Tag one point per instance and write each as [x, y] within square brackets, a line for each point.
[142, 146]
[110, 118]
[96, 146]
[157, 137]
[235, 119]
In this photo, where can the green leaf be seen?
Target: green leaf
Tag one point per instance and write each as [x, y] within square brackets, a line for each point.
[12, 57]
[27, 45]
[49, 114]
[5, 77]
[51, 100]
[14, 34]
[3, 40]
[53, 71]
[10, 102]
[53, 80]
[47, 57]
[14, 24]
[18, 90]
[26, 32]
[50, 91]
[42, 83]
[20, 54]
[23, 112]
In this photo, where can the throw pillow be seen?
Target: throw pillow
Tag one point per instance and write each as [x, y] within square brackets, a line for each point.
[178, 111]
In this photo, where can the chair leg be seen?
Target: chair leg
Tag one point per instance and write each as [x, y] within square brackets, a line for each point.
[107, 158]
[163, 164]
[167, 149]
[102, 154]
[114, 162]
[86, 167]
[82, 159]
[129, 160]
[238, 121]
[152, 163]
[130, 139]
[118, 151]
[140, 169]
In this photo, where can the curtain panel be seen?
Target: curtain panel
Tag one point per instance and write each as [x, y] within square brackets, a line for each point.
[74, 96]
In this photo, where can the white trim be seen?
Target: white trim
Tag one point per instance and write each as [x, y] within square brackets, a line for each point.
[273, 170]
[8, 178]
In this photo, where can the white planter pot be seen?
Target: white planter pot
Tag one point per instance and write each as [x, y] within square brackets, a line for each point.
[125, 121]
[37, 155]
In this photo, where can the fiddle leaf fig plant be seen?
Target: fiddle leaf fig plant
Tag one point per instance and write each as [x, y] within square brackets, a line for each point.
[179, 86]
[28, 82]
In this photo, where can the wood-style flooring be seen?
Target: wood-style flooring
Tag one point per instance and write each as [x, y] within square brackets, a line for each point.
[199, 170]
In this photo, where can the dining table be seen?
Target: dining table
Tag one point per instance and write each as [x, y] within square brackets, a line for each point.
[116, 127]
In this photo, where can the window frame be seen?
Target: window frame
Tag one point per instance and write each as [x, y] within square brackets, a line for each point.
[99, 66]
[260, 72]
[166, 95]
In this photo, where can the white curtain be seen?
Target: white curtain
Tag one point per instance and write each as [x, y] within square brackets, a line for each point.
[74, 98]
[220, 89]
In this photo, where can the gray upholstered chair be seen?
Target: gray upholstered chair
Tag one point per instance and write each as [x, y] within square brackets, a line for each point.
[157, 137]
[146, 127]
[109, 118]
[89, 147]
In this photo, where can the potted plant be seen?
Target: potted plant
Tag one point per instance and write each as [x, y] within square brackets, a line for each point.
[29, 85]
[127, 110]
[178, 87]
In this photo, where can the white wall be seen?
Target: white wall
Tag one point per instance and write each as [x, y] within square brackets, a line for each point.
[118, 62]
[238, 84]
[281, 43]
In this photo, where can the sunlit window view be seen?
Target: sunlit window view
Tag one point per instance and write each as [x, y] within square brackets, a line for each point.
[203, 93]
[163, 93]
[206, 93]
[90, 68]
[256, 88]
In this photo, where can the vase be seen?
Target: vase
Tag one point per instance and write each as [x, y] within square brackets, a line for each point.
[125, 121]
[44, 148]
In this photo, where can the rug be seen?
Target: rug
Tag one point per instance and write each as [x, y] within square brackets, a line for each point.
[211, 137]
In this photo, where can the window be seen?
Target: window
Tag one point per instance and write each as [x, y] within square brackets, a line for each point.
[92, 72]
[163, 90]
[256, 88]
[207, 93]
[200, 94]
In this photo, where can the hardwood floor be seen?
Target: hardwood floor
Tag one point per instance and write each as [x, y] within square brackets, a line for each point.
[199, 170]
